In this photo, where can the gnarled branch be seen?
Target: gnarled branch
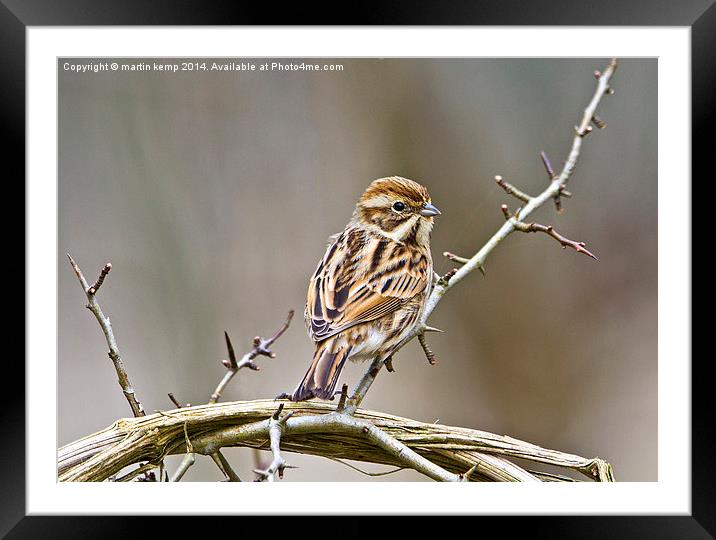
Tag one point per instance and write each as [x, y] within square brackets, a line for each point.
[315, 428]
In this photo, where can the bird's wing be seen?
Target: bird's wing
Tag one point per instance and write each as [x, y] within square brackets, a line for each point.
[362, 277]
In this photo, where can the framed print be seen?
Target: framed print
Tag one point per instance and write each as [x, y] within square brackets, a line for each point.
[307, 258]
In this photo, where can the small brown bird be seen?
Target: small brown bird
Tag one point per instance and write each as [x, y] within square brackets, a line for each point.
[371, 285]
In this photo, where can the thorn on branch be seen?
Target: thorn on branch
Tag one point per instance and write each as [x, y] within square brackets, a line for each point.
[277, 414]
[552, 177]
[547, 165]
[342, 400]
[466, 476]
[174, 400]
[579, 247]
[433, 329]
[231, 362]
[261, 347]
[512, 190]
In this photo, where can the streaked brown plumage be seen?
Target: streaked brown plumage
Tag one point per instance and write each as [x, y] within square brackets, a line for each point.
[371, 285]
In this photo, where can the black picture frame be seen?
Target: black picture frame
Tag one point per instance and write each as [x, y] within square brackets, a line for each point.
[700, 15]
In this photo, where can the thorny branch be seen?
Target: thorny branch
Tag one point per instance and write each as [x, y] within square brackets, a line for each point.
[555, 190]
[579, 247]
[224, 467]
[106, 325]
[262, 347]
[277, 424]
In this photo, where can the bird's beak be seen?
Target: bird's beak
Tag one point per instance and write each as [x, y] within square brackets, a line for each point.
[429, 210]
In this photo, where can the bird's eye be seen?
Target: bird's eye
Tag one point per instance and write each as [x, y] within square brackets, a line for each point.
[398, 206]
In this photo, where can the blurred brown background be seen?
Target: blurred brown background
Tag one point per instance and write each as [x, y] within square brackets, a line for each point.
[213, 194]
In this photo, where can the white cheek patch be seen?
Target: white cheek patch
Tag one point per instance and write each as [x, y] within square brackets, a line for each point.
[423, 236]
[400, 232]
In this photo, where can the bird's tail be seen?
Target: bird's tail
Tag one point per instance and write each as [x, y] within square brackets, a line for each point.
[321, 378]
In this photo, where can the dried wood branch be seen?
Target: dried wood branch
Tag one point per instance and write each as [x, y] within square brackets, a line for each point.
[315, 428]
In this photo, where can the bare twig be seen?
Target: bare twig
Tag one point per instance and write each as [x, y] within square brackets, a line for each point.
[225, 467]
[261, 348]
[104, 322]
[555, 188]
[461, 260]
[277, 424]
[188, 460]
[579, 247]
[455, 258]
[175, 401]
[512, 190]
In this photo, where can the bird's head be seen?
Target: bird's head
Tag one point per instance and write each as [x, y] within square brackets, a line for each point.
[398, 208]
